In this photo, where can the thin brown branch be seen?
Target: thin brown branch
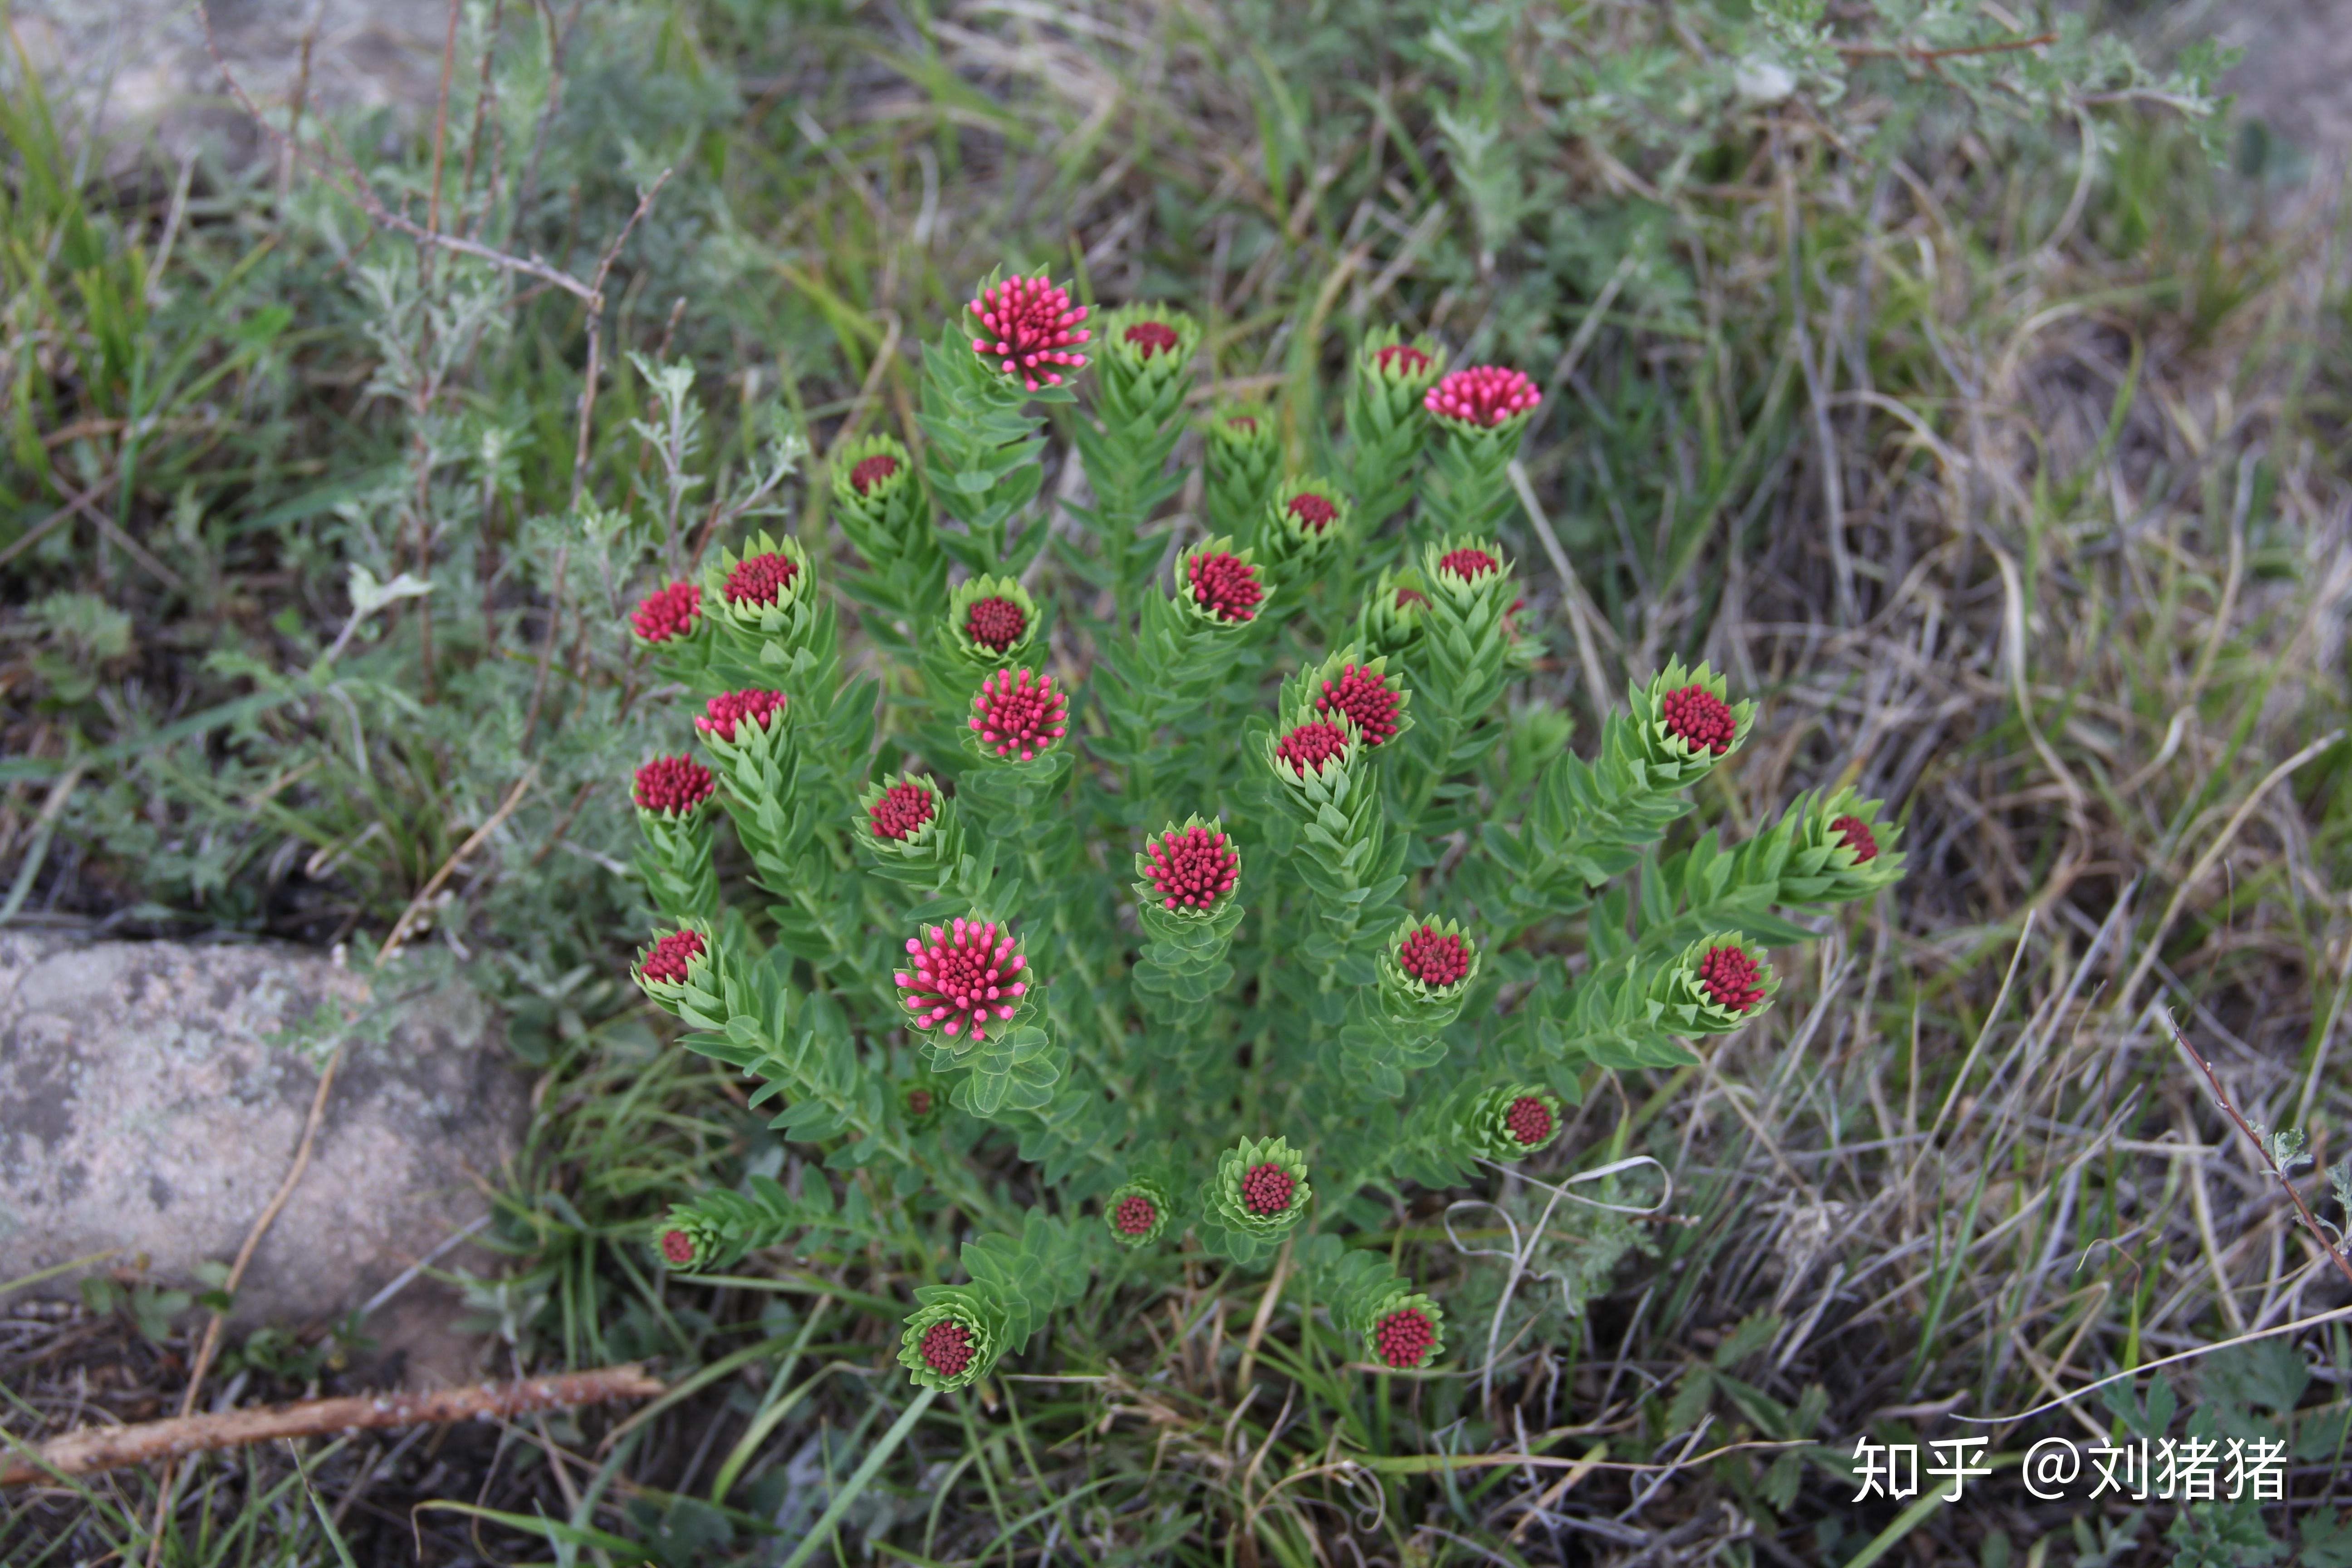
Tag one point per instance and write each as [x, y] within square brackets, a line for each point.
[2221, 1098]
[473, 841]
[93, 1449]
[1929, 57]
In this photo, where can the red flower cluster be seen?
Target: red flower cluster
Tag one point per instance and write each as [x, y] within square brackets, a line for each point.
[1697, 716]
[995, 623]
[903, 808]
[1012, 714]
[673, 783]
[667, 612]
[760, 579]
[947, 1348]
[1484, 396]
[1032, 324]
[1727, 975]
[1528, 1119]
[1435, 958]
[1192, 867]
[872, 471]
[1403, 1338]
[1135, 1215]
[1311, 745]
[666, 962]
[1366, 698]
[1469, 564]
[1413, 360]
[1151, 338]
[724, 711]
[961, 977]
[919, 1102]
[1411, 596]
[1243, 422]
[1225, 586]
[1267, 1189]
[678, 1248]
[1855, 835]
[1315, 512]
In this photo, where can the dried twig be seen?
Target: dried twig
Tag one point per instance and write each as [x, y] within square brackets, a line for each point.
[473, 841]
[93, 1449]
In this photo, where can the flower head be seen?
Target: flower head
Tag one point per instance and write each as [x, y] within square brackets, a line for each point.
[903, 808]
[1014, 712]
[1136, 1213]
[1399, 359]
[1150, 338]
[672, 957]
[995, 623]
[677, 785]
[1246, 424]
[1223, 584]
[762, 579]
[1436, 959]
[668, 613]
[1728, 977]
[951, 1342]
[1713, 986]
[1699, 719]
[1528, 1120]
[1311, 746]
[1190, 868]
[1312, 511]
[1852, 833]
[1267, 1189]
[1508, 1121]
[1259, 1189]
[689, 1240]
[1469, 564]
[1835, 846]
[1366, 695]
[960, 977]
[991, 622]
[1403, 1338]
[1482, 396]
[1031, 326]
[723, 712]
[677, 1248]
[1412, 598]
[872, 471]
[921, 1099]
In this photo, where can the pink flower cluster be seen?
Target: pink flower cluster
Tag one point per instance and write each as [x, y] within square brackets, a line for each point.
[1482, 396]
[1031, 325]
[961, 977]
[1015, 711]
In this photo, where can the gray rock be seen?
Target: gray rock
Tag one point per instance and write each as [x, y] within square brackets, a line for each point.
[146, 1105]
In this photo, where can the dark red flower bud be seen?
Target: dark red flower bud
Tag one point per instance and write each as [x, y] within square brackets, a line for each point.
[1266, 1189]
[1411, 596]
[1403, 1338]
[1469, 564]
[903, 808]
[1017, 712]
[1413, 360]
[678, 1248]
[760, 579]
[1727, 975]
[1225, 586]
[872, 471]
[1695, 715]
[919, 1102]
[947, 1348]
[1315, 512]
[724, 711]
[1482, 395]
[667, 612]
[674, 783]
[1031, 325]
[671, 955]
[1366, 698]
[1528, 1119]
[1192, 867]
[1134, 1215]
[1243, 422]
[995, 623]
[1855, 835]
[1151, 338]
[1311, 745]
[1434, 958]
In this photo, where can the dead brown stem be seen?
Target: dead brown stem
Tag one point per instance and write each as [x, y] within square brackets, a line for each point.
[93, 1449]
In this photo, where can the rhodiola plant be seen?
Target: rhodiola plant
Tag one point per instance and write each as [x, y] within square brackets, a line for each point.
[1193, 890]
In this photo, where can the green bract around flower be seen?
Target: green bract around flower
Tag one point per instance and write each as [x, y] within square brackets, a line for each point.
[870, 472]
[1683, 724]
[1839, 849]
[1138, 1212]
[1509, 1121]
[1390, 620]
[1305, 522]
[952, 1342]
[679, 971]
[992, 622]
[1405, 1332]
[688, 1240]
[1719, 983]
[1245, 462]
[1425, 970]
[1144, 344]
[1259, 1189]
[921, 1101]
[766, 592]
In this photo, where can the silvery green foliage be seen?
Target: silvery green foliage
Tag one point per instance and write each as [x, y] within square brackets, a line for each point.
[1157, 892]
